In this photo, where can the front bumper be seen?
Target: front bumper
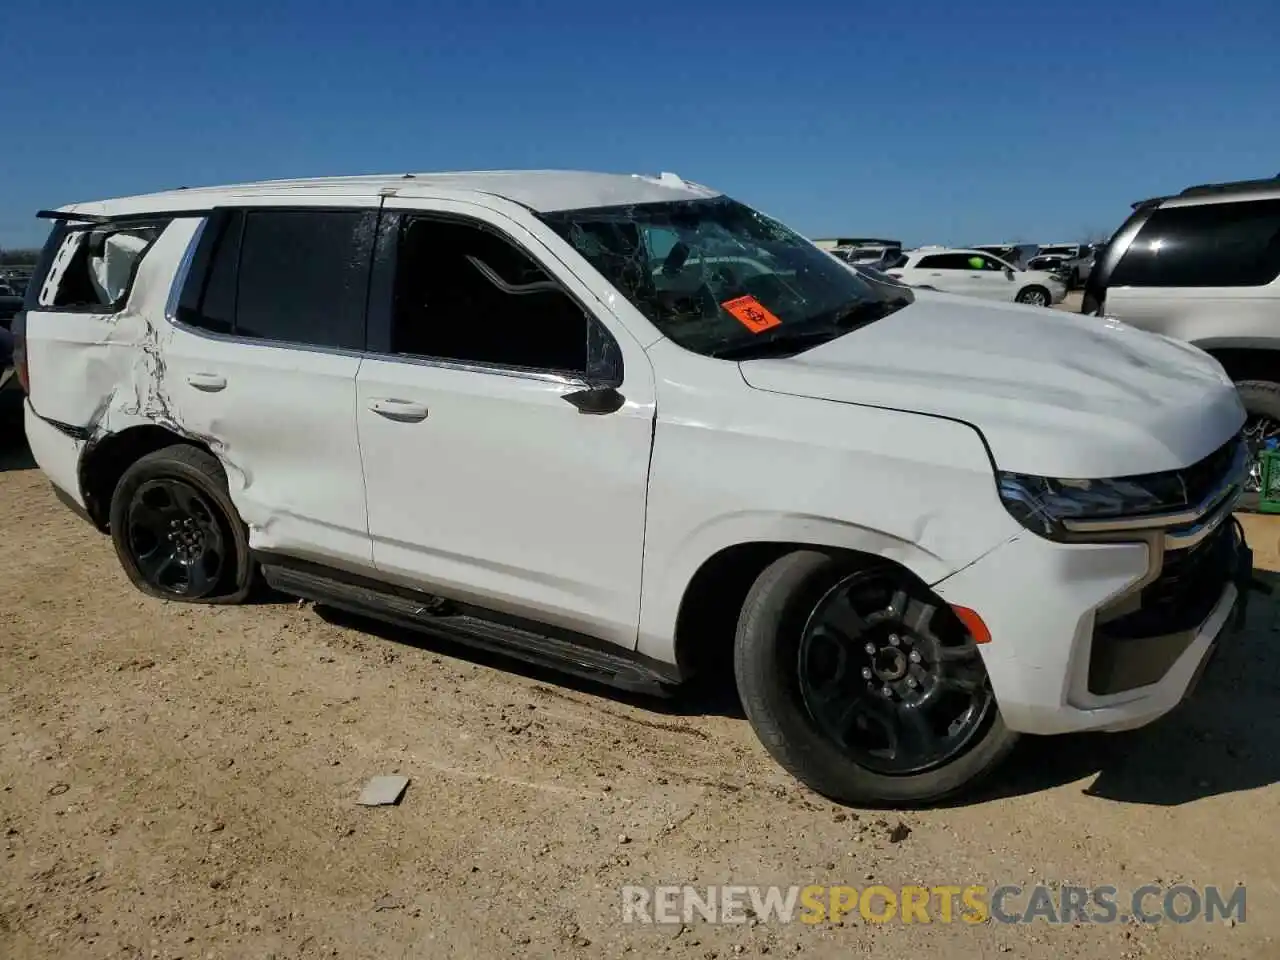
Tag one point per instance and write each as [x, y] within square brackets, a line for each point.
[1080, 640]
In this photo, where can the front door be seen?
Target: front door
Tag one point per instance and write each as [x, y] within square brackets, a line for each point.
[491, 476]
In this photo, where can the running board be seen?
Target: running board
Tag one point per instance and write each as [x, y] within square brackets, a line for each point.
[435, 615]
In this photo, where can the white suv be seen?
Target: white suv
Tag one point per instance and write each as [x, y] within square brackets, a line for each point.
[976, 273]
[630, 427]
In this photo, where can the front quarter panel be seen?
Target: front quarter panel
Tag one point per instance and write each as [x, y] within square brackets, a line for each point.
[734, 465]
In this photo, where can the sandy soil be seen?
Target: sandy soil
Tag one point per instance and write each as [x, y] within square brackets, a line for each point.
[180, 781]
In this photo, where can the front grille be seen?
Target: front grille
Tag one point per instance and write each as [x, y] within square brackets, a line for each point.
[1138, 647]
[1188, 487]
[1191, 581]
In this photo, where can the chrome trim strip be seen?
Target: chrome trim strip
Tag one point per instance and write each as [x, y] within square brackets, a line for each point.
[1229, 488]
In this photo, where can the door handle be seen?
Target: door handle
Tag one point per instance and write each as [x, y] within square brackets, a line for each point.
[208, 382]
[403, 411]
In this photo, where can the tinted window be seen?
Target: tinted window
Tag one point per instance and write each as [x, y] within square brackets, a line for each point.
[1214, 245]
[465, 293]
[218, 307]
[946, 261]
[304, 276]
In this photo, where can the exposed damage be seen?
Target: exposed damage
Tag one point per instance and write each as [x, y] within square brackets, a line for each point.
[103, 292]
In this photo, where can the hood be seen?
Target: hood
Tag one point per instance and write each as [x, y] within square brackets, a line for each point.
[1054, 394]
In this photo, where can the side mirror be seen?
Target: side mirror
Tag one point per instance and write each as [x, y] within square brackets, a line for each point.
[597, 400]
[1008, 273]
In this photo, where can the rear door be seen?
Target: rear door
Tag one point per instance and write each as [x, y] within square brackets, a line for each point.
[948, 272]
[261, 356]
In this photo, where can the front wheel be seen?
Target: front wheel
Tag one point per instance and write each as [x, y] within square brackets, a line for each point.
[863, 684]
[176, 532]
[1034, 297]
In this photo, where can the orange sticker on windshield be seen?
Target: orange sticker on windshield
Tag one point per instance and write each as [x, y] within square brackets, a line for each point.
[752, 314]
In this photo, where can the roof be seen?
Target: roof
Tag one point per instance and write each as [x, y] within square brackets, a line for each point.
[1234, 190]
[540, 190]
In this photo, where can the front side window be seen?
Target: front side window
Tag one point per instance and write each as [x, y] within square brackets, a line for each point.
[93, 269]
[1210, 245]
[465, 293]
[722, 280]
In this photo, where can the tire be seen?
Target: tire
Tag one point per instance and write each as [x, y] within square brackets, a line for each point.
[1035, 296]
[165, 484]
[768, 670]
[1261, 399]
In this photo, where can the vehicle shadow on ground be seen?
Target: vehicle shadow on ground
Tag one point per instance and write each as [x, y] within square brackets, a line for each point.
[704, 697]
[1220, 740]
[14, 452]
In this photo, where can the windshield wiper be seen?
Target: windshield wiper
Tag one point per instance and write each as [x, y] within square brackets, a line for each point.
[780, 344]
[824, 328]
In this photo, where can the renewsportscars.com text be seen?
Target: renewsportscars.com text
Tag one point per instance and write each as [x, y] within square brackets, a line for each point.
[971, 904]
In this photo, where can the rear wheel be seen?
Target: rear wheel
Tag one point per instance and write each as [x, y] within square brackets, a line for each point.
[1034, 297]
[176, 531]
[1261, 400]
[863, 683]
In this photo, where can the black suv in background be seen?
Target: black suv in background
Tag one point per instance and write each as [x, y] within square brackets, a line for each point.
[10, 303]
[1204, 266]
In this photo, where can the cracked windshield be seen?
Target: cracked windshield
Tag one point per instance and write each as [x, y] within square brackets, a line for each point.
[723, 280]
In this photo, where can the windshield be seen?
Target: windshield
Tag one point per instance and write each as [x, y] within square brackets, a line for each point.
[723, 280]
[1057, 251]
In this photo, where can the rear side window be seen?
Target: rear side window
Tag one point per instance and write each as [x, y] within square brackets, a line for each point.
[1213, 245]
[294, 276]
[93, 268]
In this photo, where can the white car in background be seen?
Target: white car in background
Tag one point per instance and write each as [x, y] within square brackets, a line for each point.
[975, 273]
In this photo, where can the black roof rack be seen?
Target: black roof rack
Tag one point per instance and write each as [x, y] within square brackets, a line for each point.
[1234, 186]
[1214, 189]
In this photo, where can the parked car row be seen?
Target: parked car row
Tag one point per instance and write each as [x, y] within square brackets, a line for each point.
[628, 426]
[975, 273]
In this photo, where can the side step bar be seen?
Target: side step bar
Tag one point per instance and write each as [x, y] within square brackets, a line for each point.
[434, 615]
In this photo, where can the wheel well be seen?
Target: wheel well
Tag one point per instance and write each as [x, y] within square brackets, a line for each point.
[1245, 364]
[708, 619]
[105, 461]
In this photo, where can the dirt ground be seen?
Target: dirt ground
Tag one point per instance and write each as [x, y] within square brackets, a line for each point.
[180, 781]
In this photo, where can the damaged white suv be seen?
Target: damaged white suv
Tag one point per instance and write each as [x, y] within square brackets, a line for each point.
[630, 427]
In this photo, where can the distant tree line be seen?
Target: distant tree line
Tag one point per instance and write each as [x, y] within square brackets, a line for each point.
[19, 258]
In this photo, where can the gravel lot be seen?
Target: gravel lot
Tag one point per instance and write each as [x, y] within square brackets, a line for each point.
[179, 781]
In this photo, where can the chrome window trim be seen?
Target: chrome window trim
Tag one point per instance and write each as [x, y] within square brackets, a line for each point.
[465, 366]
[180, 281]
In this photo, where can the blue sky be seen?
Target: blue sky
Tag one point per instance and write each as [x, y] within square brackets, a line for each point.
[943, 122]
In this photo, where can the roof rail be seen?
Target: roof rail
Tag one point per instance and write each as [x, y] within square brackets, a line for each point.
[1234, 186]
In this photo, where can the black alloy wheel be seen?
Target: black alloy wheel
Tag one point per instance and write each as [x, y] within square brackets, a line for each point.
[175, 538]
[883, 686]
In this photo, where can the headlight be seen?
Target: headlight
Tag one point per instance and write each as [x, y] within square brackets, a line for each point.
[1041, 504]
